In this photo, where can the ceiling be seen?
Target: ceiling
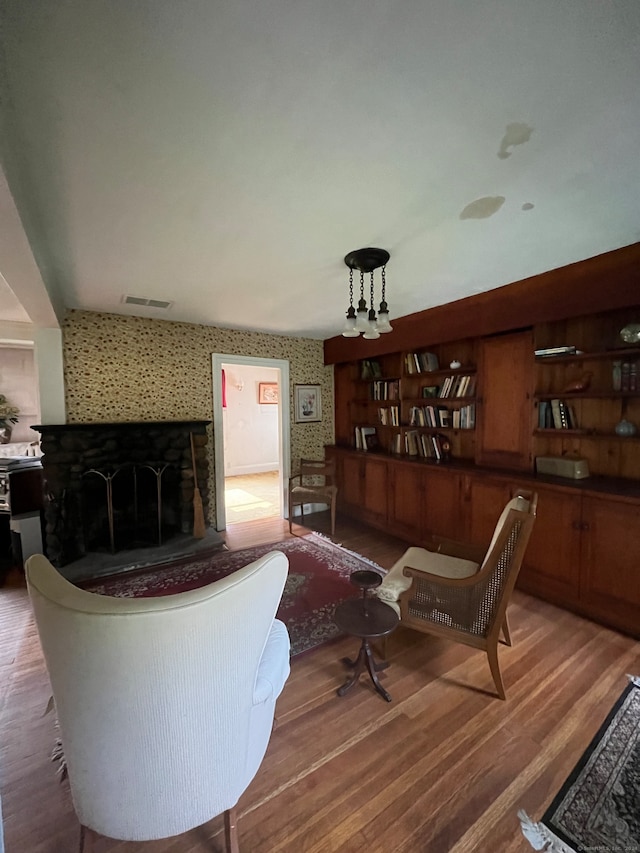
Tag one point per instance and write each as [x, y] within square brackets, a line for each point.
[224, 155]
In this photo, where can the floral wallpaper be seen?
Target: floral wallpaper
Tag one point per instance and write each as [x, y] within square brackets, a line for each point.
[121, 368]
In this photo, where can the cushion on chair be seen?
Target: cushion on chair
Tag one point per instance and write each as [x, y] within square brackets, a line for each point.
[395, 582]
[313, 492]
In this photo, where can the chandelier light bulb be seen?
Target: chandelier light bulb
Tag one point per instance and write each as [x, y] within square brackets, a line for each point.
[362, 319]
[372, 330]
[383, 324]
[350, 330]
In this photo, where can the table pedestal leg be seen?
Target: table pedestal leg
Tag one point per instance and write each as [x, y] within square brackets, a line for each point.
[365, 659]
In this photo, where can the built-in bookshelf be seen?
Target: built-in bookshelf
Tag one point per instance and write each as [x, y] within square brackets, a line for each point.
[587, 397]
[420, 405]
[428, 403]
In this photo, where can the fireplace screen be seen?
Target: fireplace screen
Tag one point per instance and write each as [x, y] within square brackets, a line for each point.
[132, 506]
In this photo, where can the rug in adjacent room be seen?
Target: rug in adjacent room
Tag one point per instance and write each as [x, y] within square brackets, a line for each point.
[318, 579]
[598, 807]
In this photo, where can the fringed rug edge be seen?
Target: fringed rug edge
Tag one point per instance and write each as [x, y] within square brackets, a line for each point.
[539, 836]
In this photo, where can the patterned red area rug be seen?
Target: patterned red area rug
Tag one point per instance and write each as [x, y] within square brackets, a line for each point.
[318, 579]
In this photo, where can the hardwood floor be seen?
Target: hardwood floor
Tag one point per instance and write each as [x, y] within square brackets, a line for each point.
[443, 768]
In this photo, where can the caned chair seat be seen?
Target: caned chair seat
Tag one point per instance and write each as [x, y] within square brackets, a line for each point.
[314, 484]
[456, 592]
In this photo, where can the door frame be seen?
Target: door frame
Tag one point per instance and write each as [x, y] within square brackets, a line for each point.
[284, 425]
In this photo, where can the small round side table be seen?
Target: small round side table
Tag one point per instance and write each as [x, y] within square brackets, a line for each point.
[370, 619]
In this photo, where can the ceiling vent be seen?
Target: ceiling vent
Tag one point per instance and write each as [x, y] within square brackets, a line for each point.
[150, 303]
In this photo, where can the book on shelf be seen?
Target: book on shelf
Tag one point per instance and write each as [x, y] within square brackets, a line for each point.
[556, 414]
[389, 415]
[421, 362]
[416, 416]
[468, 416]
[457, 385]
[366, 438]
[370, 369]
[411, 442]
[445, 388]
[443, 417]
[548, 352]
[544, 415]
[385, 389]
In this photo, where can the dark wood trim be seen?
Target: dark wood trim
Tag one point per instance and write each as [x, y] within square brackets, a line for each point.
[49, 428]
[601, 283]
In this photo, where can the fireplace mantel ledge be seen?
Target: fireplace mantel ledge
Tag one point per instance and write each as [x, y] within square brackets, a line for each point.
[42, 428]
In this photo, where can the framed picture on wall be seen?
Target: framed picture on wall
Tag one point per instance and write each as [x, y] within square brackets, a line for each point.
[307, 402]
[268, 393]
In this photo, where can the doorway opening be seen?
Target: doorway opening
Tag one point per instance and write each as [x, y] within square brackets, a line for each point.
[251, 437]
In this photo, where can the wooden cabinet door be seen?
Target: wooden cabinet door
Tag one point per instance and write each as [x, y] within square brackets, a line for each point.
[551, 565]
[484, 499]
[343, 384]
[406, 496]
[610, 582]
[375, 487]
[444, 511]
[505, 413]
[350, 484]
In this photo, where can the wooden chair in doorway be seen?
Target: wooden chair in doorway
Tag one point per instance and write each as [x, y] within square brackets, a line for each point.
[315, 483]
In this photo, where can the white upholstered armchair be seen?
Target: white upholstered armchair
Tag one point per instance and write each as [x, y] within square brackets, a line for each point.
[165, 704]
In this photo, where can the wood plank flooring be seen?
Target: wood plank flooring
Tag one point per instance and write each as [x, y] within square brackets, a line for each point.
[443, 768]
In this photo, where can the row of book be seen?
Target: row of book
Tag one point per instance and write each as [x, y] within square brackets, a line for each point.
[426, 445]
[442, 417]
[389, 416]
[366, 438]
[385, 389]
[421, 362]
[556, 414]
[625, 376]
[463, 385]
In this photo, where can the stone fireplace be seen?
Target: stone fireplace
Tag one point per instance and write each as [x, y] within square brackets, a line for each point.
[121, 486]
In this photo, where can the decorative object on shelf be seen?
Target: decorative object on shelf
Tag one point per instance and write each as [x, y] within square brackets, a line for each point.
[625, 428]
[8, 417]
[616, 376]
[307, 402]
[580, 384]
[630, 334]
[455, 364]
[363, 321]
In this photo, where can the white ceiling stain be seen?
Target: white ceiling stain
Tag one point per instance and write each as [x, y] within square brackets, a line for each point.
[517, 133]
[528, 206]
[483, 208]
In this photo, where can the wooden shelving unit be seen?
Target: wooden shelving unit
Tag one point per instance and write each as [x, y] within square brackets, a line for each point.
[603, 403]
[580, 555]
[418, 425]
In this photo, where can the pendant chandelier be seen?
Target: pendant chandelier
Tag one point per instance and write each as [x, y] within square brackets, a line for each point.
[364, 321]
